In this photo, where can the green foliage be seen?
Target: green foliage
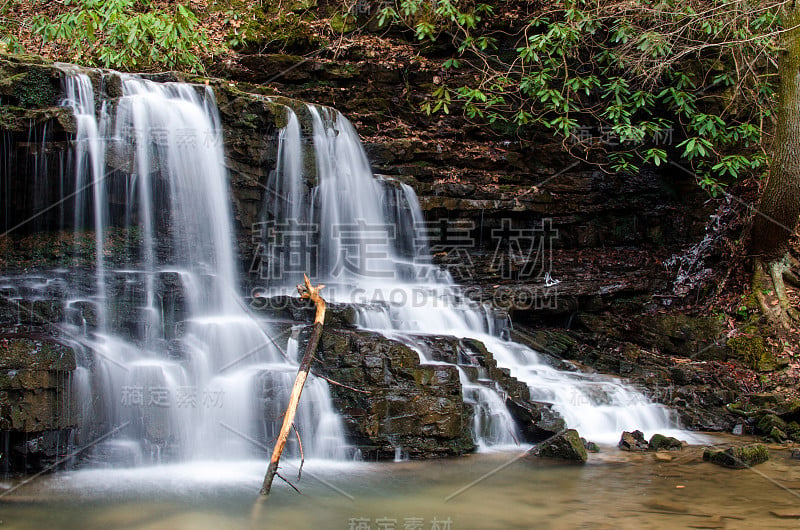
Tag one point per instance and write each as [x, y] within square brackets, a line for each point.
[125, 34]
[8, 28]
[622, 82]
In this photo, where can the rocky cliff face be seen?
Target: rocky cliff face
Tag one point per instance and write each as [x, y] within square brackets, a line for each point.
[491, 202]
[391, 403]
[508, 220]
[37, 405]
[566, 250]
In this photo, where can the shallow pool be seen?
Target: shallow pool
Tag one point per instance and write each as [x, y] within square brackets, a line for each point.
[614, 489]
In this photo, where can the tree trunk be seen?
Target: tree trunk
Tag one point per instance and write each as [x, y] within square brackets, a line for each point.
[779, 208]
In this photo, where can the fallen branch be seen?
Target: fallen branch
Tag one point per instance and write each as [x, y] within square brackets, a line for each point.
[310, 293]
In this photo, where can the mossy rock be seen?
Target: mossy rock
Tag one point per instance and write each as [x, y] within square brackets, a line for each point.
[777, 435]
[739, 409]
[765, 399]
[551, 342]
[300, 5]
[36, 89]
[698, 337]
[793, 431]
[591, 447]
[21, 352]
[278, 27]
[660, 442]
[344, 23]
[737, 457]
[768, 422]
[565, 446]
[753, 352]
[790, 411]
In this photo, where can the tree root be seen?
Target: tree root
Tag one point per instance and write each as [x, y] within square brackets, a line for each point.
[781, 314]
[789, 276]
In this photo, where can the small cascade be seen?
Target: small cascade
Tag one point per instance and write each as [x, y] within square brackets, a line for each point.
[367, 237]
[181, 369]
[373, 251]
[89, 164]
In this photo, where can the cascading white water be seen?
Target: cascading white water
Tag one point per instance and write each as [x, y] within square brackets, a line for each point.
[181, 368]
[366, 238]
[372, 248]
[89, 164]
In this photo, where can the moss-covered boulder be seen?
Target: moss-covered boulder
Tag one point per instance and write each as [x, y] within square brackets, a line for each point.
[26, 84]
[772, 426]
[590, 446]
[566, 445]
[793, 431]
[737, 457]
[659, 442]
[752, 350]
[343, 23]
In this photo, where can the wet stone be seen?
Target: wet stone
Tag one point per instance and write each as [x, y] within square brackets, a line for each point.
[737, 457]
[566, 445]
[633, 441]
[660, 442]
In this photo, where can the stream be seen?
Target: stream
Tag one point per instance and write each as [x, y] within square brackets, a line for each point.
[615, 489]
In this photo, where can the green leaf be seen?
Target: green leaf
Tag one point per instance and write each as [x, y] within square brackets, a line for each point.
[451, 63]
[655, 156]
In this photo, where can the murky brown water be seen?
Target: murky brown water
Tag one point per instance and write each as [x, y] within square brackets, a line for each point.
[614, 490]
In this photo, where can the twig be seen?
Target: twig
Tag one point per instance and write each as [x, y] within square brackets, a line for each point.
[289, 483]
[337, 383]
[302, 456]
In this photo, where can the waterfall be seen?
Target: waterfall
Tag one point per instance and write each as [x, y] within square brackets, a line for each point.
[171, 361]
[372, 249]
[180, 367]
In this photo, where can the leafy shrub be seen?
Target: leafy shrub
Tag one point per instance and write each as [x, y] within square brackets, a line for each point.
[125, 34]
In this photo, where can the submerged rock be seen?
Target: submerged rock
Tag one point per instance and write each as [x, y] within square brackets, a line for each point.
[633, 441]
[737, 457]
[566, 445]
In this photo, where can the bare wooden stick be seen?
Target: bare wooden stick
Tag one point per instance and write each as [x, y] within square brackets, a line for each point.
[302, 456]
[309, 292]
[337, 383]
